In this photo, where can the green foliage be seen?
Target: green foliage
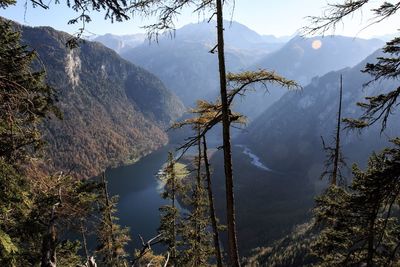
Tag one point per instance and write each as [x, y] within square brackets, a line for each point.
[25, 101]
[381, 106]
[149, 259]
[112, 238]
[5, 3]
[68, 254]
[6, 243]
[173, 176]
[196, 225]
[291, 250]
[334, 14]
[25, 98]
[186, 233]
[360, 225]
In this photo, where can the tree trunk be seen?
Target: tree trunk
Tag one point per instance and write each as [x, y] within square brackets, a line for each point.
[173, 250]
[49, 243]
[218, 253]
[337, 148]
[111, 242]
[85, 249]
[230, 205]
[371, 234]
[197, 211]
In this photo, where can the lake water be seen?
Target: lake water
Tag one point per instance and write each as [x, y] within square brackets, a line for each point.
[139, 195]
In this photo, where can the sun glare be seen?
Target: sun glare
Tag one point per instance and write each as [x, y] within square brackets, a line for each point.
[316, 44]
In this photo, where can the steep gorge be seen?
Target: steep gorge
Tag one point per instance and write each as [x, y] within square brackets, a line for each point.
[113, 111]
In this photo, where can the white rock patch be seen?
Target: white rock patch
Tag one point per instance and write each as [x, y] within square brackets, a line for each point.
[72, 67]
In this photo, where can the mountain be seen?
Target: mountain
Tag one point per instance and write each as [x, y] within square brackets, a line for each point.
[304, 58]
[105, 102]
[301, 59]
[185, 65]
[287, 139]
[120, 43]
[236, 36]
[273, 39]
[298, 120]
[387, 37]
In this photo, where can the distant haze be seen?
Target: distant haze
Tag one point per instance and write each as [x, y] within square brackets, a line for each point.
[280, 18]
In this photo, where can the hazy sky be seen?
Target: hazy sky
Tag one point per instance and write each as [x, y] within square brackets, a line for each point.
[277, 17]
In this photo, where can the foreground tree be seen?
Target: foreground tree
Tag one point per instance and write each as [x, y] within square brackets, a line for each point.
[213, 216]
[376, 108]
[170, 223]
[198, 245]
[25, 98]
[112, 238]
[362, 226]
[36, 209]
[167, 10]
[233, 252]
[335, 160]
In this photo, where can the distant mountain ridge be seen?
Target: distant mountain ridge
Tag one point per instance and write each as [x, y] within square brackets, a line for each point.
[304, 58]
[120, 43]
[313, 111]
[184, 64]
[273, 39]
[300, 61]
[105, 100]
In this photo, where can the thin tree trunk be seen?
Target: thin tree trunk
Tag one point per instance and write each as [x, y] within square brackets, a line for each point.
[218, 253]
[337, 148]
[85, 249]
[371, 234]
[49, 243]
[173, 251]
[110, 245]
[198, 214]
[230, 203]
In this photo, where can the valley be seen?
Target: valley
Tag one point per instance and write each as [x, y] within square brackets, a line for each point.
[207, 144]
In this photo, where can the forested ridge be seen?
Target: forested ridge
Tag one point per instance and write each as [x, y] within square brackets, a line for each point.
[107, 120]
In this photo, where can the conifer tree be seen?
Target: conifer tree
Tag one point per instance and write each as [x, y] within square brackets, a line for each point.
[25, 99]
[379, 107]
[233, 250]
[166, 12]
[36, 209]
[170, 223]
[213, 216]
[206, 115]
[198, 246]
[209, 114]
[111, 237]
[170, 213]
[335, 160]
[362, 224]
